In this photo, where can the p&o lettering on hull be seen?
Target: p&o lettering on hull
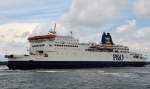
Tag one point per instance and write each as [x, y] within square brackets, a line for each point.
[118, 57]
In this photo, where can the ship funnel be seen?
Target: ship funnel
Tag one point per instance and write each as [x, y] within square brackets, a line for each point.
[109, 38]
[103, 38]
[106, 39]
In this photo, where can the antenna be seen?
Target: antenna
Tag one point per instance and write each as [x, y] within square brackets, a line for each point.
[55, 28]
[71, 33]
[53, 31]
[50, 29]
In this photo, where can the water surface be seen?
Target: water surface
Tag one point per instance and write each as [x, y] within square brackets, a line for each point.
[100, 78]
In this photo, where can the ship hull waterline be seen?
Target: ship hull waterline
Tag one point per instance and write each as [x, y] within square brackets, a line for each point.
[71, 64]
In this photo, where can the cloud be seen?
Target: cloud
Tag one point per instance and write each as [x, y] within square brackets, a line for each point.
[129, 26]
[141, 8]
[89, 13]
[131, 35]
[87, 17]
[13, 36]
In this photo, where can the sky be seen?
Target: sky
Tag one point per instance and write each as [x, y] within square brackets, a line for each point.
[128, 21]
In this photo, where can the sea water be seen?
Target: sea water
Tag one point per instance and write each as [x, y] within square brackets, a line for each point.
[96, 78]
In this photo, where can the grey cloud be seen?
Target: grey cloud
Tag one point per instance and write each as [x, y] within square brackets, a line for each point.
[42, 28]
[2, 36]
[22, 35]
[25, 34]
[12, 46]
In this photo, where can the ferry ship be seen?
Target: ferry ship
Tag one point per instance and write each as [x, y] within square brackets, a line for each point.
[54, 51]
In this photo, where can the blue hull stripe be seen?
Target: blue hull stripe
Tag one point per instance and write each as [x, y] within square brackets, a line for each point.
[69, 64]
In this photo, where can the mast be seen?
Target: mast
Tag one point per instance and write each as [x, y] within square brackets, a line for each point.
[71, 33]
[55, 28]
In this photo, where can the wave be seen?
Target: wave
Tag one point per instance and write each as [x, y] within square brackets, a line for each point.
[50, 71]
[3, 68]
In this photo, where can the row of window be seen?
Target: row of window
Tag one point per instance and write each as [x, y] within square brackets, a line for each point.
[66, 45]
[41, 45]
[120, 49]
[38, 41]
[124, 51]
[65, 42]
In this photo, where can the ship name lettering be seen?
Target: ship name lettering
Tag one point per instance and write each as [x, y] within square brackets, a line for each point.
[118, 57]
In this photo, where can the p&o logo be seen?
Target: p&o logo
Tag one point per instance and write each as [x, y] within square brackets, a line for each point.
[118, 57]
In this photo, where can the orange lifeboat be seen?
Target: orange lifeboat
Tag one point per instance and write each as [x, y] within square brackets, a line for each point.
[49, 36]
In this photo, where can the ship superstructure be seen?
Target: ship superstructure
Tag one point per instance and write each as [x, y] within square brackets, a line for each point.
[55, 51]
